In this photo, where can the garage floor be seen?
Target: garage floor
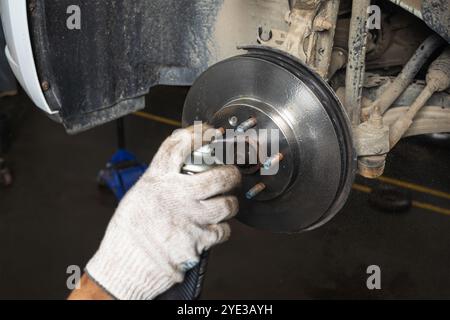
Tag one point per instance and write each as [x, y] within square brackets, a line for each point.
[54, 216]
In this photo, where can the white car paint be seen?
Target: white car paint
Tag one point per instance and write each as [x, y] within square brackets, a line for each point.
[19, 51]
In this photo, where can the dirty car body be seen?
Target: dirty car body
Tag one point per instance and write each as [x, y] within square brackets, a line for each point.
[123, 48]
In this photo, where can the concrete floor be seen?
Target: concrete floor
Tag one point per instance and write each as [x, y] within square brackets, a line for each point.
[54, 216]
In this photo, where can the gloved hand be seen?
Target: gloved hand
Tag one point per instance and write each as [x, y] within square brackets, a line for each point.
[164, 223]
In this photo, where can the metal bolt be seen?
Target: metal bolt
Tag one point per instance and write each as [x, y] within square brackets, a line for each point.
[253, 192]
[264, 34]
[45, 85]
[273, 160]
[233, 121]
[376, 118]
[247, 124]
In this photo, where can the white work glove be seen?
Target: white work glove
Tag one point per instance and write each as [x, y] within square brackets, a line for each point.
[164, 223]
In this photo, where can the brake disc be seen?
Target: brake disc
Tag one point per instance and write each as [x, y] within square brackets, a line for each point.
[277, 91]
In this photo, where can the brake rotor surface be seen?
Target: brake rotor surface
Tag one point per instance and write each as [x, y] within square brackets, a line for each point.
[279, 92]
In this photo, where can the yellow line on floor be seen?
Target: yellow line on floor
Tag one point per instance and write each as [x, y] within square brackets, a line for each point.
[428, 206]
[156, 118]
[415, 187]
[361, 188]
[416, 204]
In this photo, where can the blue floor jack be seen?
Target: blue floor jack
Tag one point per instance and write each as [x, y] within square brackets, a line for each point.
[122, 171]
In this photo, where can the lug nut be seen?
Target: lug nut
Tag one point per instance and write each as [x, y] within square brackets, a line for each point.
[247, 124]
[273, 160]
[253, 192]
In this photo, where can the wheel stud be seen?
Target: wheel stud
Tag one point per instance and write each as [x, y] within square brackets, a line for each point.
[273, 160]
[253, 192]
[247, 124]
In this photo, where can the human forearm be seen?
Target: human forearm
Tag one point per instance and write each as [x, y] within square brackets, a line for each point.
[163, 224]
[89, 290]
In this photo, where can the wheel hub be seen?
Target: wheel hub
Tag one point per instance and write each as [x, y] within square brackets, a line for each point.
[266, 89]
[267, 118]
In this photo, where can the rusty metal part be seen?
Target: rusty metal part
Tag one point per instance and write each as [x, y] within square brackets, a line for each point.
[375, 85]
[356, 59]
[438, 79]
[340, 92]
[371, 137]
[247, 124]
[300, 38]
[372, 144]
[401, 125]
[392, 45]
[326, 20]
[273, 160]
[407, 75]
[45, 85]
[371, 167]
[253, 192]
[368, 138]
[312, 25]
[438, 76]
[430, 119]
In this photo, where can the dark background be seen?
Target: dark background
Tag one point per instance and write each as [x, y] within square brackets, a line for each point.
[55, 215]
